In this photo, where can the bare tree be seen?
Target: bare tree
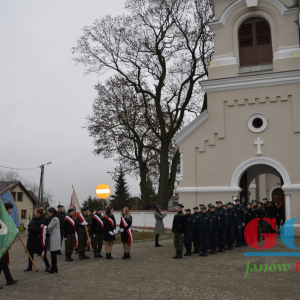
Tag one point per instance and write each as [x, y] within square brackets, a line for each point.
[161, 49]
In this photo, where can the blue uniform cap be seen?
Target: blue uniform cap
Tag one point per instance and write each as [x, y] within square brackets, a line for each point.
[219, 201]
[187, 209]
[196, 207]
[203, 207]
[237, 199]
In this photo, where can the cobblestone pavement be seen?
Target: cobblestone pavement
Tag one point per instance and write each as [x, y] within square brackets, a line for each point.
[151, 273]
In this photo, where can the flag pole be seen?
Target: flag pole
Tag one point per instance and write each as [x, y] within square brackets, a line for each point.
[27, 252]
[90, 244]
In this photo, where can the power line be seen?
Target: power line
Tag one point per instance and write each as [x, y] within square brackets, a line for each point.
[19, 168]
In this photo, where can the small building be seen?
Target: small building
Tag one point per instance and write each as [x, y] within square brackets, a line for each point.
[25, 200]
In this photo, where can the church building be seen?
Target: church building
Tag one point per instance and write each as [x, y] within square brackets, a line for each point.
[247, 143]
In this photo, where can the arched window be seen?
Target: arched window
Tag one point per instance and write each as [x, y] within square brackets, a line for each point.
[255, 43]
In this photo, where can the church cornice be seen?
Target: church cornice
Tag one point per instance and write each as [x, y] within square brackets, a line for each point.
[233, 6]
[251, 81]
[190, 128]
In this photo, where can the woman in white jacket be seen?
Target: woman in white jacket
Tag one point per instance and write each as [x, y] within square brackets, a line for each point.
[54, 243]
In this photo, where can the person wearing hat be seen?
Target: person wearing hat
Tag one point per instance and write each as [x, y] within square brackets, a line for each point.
[190, 229]
[196, 235]
[205, 229]
[97, 232]
[269, 213]
[69, 233]
[81, 224]
[239, 210]
[215, 228]
[223, 226]
[159, 223]
[178, 230]
[232, 222]
[62, 216]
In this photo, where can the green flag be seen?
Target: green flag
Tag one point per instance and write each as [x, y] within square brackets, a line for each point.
[8, 230]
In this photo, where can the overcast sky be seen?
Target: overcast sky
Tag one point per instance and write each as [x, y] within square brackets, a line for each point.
[45, 97]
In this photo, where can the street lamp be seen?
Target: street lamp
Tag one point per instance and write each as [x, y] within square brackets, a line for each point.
[41, 188]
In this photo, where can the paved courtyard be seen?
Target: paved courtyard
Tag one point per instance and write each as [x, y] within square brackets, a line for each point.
[151, 273]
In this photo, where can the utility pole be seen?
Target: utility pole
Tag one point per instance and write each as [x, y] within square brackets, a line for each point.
[41, 188]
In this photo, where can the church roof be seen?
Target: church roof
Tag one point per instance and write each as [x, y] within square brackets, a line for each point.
[190, 128]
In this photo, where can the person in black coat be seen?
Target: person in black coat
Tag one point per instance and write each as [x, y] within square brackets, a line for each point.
[239, 230]
[215, 219]
[34, 243]
[223, 226]
[109, 230]
[205, 230]
[126, 236]
[190, 230]
[232, 222]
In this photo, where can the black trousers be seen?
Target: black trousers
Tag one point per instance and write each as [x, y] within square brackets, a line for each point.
[5, 268]
[53, 260]
[156, 239]
[204, 239]
[188, 241]
[32, 256]
[196, 239]
[229, 235]
[214, 238]
[222, 237]
[238, 234]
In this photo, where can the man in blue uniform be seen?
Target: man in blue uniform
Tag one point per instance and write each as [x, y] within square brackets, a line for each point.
[215, 221]
[205, 230]
[223, 226]
[190, 229]
[239, 210]
[196, 235]
[232, 221]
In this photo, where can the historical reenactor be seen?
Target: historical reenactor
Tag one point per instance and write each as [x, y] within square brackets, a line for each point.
[81, 224]
[205, 230]
[232, 222]
[109, 230]
[179, 229]
[62, 216]
[190, 230]
[97, 232]
[239, 210]
[125, 229]
[70, 234]
[196, 235]
[215, 228]
[223, 226]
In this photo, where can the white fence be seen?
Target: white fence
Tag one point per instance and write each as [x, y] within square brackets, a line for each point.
[144, 220]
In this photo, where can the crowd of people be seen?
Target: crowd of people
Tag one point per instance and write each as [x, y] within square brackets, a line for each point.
[219, 226]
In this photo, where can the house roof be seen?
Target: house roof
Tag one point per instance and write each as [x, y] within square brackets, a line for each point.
[5, 184]
[190, 128]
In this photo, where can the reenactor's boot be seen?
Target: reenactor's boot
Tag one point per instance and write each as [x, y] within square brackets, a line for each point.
[230, 247]
[179, 255]
[69, 258]
[201, 253]
[204, 253]
[99, 255]
[81, 256]
[176, 255]
[195, 250]
[95, 255]
[84, 256]
[188, 253]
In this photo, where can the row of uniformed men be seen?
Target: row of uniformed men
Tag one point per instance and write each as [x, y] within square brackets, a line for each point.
[215, 227]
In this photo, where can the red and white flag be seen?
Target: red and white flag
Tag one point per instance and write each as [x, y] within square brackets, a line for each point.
[74, 204]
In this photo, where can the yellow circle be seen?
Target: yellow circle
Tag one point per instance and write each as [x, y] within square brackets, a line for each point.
[102, 191]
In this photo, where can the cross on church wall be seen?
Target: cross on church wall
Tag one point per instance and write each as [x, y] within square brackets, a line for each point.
[258, 142]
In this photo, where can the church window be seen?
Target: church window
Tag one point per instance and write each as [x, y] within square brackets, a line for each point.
[257, 123]
[255, 45]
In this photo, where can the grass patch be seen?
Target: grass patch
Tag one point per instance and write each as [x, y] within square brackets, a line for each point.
[142, 235]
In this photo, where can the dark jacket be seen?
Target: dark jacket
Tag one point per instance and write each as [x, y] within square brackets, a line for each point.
[96, 226]
[196, 217]
[232, 218]
[255, 212]
[68, 228]
[215, 220]
[34, 243]
[223, 217]
[205, 222]
[190, 223]
[179, 223]
[108, 227]
[124, 234]
[62, 217]
[270, 211]
[239, 210]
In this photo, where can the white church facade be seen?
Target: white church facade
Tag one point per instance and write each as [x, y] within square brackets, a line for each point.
[247, 143]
